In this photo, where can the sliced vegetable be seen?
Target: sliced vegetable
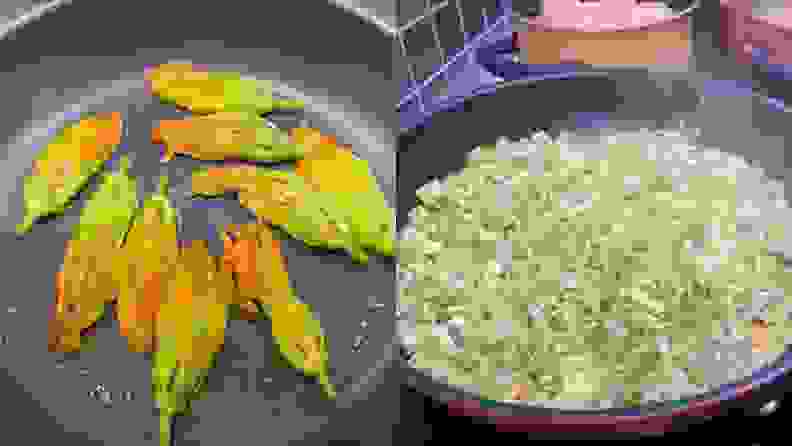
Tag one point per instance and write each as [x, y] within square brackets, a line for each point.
[237, 246]
[519, 392]
[66, 164]
[237, 135]
[216, 181]
[336, 170]
[190, 330]
[301, 341]
[285, 199]
[86, 282]
[150, 255]
[244, 309]
[258, 263]
[109, 211]
[262, 277]
[759, 336]
[203, 91]
[80, 295]
[312, 138]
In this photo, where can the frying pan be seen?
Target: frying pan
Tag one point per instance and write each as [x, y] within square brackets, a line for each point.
[729, 115]
[90, 56]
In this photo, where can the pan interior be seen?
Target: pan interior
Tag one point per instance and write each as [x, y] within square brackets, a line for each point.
[84, 49]
[249, 358]
[606, 104]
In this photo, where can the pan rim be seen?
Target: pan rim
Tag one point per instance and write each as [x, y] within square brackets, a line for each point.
[367, 15]
[413, 126]
[30, 16]
[36, 12]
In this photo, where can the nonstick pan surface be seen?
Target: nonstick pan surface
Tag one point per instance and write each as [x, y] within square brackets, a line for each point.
[728, 116]
[90, 56]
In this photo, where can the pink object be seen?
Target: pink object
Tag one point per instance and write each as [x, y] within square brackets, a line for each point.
[568, 55]
[745, 32]
[672, 56]
[607, 32]
[603, 15]
[781, 17]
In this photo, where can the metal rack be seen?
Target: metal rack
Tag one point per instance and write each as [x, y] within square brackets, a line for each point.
[487, 57]
[456, 73]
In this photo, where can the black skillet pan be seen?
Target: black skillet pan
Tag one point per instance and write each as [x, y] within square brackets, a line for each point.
[90, 56]
[730, 117]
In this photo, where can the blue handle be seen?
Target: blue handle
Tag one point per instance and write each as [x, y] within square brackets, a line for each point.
[760, 56]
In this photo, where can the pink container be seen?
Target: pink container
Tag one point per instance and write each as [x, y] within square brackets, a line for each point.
[603, 15]
[745, 31]
[608, 32]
